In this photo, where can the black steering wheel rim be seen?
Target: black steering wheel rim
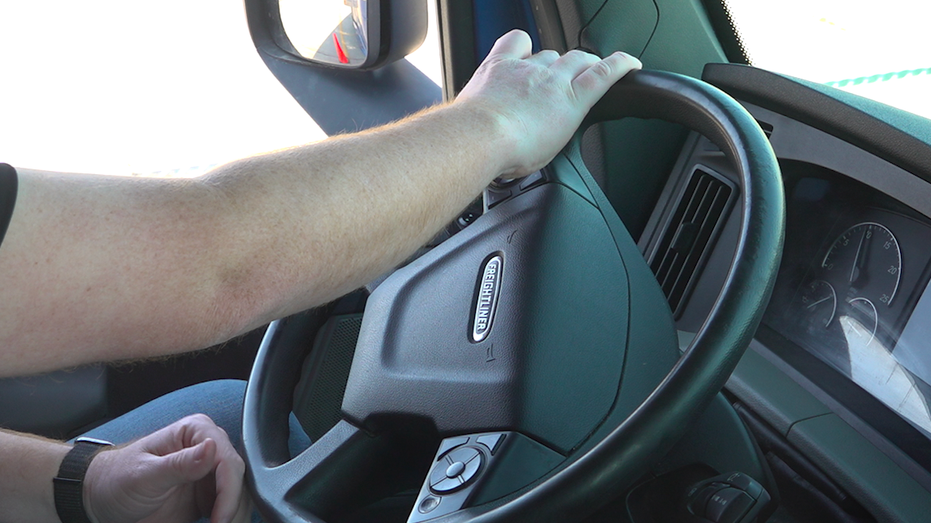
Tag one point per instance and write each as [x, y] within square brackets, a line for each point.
[622, 455]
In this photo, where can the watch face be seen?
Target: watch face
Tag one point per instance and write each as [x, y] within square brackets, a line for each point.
[95, 441]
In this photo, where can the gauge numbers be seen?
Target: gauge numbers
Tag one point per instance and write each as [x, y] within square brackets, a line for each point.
[867, 260]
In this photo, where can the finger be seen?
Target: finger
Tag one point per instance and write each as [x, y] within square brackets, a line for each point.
[229, 474]
[184, 466]
[163, 441]
[230, 491]
[514, 44]
[574, 63]
[243, 512]
[545, 58]
[591, 84]
[181, 434]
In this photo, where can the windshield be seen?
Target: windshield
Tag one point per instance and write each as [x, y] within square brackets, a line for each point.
[878, 50]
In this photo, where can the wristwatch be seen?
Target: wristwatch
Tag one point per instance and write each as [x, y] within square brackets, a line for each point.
[69, 483]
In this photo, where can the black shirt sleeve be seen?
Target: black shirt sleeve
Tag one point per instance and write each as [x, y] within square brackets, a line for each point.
[8, 186]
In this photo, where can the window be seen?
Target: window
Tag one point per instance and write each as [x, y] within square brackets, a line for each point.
[875, 49]
[166, 88]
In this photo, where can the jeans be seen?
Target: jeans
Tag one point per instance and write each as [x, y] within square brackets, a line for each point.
[221, 400]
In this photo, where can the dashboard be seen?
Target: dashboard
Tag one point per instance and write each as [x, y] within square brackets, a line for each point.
[841, 365]
[854, 268]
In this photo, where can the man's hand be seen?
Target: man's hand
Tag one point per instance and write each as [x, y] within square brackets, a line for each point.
[542, 98]
[183, 472]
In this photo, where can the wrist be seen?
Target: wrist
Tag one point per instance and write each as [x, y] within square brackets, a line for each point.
[71, 491]
[96, 472]
[496, 132]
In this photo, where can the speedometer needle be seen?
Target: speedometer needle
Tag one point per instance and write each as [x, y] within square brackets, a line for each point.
[858, 261]
[822, 300]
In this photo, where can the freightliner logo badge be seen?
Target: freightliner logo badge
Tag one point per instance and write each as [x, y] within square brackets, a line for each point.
[488, 289]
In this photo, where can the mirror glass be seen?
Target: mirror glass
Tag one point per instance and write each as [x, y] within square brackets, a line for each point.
[329, 31]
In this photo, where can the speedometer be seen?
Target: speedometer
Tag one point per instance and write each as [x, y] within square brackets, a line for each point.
[867, 259]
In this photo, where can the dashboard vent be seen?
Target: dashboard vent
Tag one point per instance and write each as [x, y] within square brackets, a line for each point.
[767, 128]
[691, 232]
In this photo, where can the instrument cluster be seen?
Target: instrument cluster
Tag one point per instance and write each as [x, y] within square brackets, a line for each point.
[855, 264]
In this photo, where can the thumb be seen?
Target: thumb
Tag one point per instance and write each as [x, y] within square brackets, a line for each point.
[185, 466]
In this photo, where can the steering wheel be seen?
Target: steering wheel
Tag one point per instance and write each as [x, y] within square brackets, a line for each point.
[526, 369]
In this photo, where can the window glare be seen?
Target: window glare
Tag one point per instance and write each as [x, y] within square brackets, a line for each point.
[117, 87]
[169, 88]
[874, 49]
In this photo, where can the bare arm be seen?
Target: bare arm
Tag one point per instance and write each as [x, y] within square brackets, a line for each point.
[97, 268]
[27, 466]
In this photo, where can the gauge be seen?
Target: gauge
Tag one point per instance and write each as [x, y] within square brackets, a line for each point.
[860, 321]
[866, 259]
[819, 303]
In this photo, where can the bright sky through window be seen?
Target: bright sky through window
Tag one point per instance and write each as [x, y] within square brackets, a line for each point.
[117, 87]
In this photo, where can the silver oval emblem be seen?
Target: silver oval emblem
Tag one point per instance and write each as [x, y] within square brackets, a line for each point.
[488, 288]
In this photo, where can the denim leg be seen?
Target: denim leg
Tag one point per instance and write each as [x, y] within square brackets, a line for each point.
[221, 400]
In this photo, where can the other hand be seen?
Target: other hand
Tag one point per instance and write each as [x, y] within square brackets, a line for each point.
[541, 98]
[180, 473]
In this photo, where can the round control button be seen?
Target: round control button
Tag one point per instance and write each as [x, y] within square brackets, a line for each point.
[455, 469]
[447, 485]
[471, 469]
[463, 454]
[428, 504]
[438, 473]
[501, 181]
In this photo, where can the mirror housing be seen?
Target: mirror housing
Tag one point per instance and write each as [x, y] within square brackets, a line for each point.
[348, 34]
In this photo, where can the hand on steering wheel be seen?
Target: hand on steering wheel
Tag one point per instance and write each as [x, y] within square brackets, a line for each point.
[540, 98]
[577, 365]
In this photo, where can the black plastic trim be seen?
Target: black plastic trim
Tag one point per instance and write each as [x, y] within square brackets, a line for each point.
[457, 42]
[668, 236]
[899, 137]
[9, 184]
[726, 30]
[549, 25]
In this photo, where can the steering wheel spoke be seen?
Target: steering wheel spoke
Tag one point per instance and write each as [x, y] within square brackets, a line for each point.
[343, 470]
[312, 458]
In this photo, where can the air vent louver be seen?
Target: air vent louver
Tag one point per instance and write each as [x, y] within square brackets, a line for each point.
[690, 233]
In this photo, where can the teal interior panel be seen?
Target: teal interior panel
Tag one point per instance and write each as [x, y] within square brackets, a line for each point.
[881, 485]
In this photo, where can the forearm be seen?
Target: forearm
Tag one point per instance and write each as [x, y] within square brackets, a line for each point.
[349, 209]
[132, 267]
[27, 466]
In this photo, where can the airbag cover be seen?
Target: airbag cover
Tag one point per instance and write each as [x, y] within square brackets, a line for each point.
[551, 362]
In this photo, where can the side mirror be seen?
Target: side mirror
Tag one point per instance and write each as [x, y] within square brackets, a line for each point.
[348, 34]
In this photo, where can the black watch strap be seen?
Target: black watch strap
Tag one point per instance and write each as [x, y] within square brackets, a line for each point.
[69, 484]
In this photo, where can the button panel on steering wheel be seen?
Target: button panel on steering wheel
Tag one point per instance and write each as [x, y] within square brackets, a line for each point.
[459, 464]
